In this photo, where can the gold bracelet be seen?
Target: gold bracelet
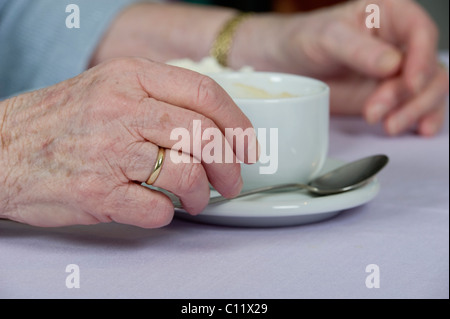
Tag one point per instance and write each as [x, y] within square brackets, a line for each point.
[222, 46]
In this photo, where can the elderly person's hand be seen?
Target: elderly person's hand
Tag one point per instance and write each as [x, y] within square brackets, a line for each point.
[77, 152]
[390, 74]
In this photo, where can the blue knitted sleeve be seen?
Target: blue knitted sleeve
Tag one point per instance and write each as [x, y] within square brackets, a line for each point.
[37, 49]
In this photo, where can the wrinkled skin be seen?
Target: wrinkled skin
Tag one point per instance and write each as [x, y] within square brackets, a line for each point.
[77, 152]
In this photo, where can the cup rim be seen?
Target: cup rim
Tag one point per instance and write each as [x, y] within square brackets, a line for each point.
[325, 89]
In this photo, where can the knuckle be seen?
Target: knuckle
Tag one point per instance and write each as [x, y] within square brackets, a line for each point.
[200, 125]
[208, 92]
[132, 160]
[123, 63]
[192, 177]
[227, 180]
[162, 213]
[155, 212]
[208, 123]
[118, 71]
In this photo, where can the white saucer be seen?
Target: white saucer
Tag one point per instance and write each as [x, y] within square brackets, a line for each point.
[283, 209]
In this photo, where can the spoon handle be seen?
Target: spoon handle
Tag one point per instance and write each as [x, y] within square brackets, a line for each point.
[219, 199]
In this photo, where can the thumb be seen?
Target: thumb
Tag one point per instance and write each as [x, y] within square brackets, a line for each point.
[360, 51]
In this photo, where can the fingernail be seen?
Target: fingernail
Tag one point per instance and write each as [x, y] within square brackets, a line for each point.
[388, 61]
[392, 127]
[429, 129]
[397, 124]
[375, 113]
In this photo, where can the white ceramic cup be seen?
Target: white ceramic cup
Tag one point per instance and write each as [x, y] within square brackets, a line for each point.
[290, 114]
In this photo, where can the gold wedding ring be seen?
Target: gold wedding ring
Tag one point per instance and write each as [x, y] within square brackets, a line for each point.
[158, 166]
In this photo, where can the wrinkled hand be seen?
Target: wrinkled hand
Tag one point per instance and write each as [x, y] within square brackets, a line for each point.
[77, 152]
[390, 74]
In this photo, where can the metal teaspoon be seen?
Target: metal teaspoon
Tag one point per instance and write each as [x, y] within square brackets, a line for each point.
[342, 179]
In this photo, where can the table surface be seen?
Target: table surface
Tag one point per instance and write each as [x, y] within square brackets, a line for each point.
[404, 231]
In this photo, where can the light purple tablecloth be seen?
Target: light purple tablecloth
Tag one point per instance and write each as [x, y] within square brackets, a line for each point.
[404, 231]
